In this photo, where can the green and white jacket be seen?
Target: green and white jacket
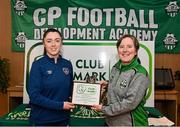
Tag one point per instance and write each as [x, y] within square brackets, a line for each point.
[126, 95]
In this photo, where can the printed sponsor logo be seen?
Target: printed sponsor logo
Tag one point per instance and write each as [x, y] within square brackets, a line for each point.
[49, 72]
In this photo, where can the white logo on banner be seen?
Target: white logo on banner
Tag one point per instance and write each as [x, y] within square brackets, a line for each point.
[170, 41]
[172, 9]
[20, 7]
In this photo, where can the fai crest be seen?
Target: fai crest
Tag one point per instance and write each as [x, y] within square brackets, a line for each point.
[170, 41]
[20, 39]
[172, 9]
[20, 7]
[66, 70]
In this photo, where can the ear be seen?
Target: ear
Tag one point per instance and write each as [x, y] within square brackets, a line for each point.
[136, 54]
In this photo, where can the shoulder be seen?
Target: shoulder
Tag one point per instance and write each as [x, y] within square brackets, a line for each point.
[140, 78]
[138, 74]
[114, 70]
[39, 60]
[141, 75]
[66, 61]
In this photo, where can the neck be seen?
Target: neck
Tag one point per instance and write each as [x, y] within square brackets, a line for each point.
[55, 60]
[54, 57]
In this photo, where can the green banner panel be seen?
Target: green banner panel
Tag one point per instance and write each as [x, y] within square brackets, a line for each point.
[154, 20]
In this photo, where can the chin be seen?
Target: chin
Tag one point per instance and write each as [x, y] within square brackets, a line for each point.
[126, 62]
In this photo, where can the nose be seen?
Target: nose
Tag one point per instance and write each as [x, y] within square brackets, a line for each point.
[53, 43]
[124, 49]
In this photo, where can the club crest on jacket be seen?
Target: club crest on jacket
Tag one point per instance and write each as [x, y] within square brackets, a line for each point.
[65, 70]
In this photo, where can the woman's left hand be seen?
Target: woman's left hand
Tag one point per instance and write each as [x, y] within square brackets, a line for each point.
[68, 106]
[97, 107]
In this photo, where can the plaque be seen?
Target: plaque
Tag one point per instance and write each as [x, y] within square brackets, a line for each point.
[86, 93]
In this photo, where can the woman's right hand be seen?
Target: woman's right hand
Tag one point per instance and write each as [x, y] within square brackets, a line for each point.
[68, 106]
[97, 107]
[103, 84]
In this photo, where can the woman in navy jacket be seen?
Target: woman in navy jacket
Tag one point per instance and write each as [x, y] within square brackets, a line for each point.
[50, 84]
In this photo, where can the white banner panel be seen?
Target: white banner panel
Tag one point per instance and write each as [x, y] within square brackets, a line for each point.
[91, 58]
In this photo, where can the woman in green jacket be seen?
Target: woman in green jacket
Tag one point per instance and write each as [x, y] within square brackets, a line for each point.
[127, 87]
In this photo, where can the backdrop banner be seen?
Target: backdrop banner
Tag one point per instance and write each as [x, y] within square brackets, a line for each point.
[154, 20]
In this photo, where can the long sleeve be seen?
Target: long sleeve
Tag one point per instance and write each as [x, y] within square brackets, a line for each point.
[130, 100]
[35, 89]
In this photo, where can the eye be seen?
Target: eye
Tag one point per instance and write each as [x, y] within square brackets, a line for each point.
[130, 46]
[49, 41]
[121, 46]
[58, 40]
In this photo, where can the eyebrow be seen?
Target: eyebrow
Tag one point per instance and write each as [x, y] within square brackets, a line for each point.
[54, 39]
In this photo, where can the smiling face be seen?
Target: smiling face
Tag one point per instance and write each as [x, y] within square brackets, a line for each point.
[52, 44]
[127, 50]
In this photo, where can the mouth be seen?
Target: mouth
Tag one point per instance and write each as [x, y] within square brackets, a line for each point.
[53, 49]
[125, 55]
